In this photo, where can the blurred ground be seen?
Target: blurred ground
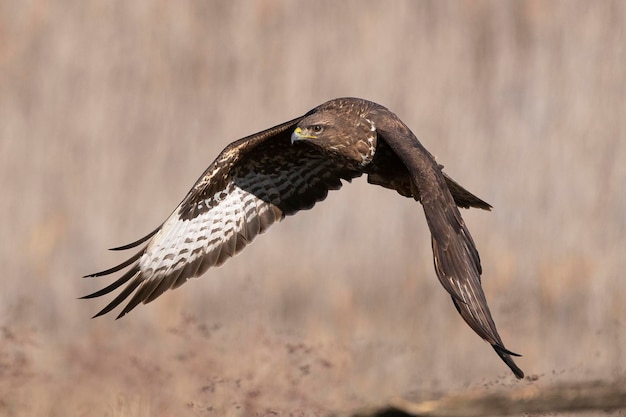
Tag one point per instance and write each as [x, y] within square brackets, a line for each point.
[109, 111]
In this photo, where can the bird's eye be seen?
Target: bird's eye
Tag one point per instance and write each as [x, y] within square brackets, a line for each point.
[317, 129]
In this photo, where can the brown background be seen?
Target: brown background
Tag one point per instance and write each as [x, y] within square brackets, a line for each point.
[109, 111]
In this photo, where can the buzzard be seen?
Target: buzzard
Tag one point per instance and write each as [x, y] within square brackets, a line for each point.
[258, 180]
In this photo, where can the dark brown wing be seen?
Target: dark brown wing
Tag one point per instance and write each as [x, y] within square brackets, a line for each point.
[387, 170]
[456, 259]
[252, 184]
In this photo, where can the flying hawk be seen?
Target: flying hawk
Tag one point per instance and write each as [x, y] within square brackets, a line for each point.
[258, 180]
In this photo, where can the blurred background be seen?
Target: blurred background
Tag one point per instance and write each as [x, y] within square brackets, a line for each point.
[109, 111]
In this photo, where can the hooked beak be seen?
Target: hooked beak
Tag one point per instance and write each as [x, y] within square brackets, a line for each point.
[299, 134]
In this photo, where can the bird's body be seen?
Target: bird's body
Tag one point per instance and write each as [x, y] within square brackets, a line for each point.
[258, 180]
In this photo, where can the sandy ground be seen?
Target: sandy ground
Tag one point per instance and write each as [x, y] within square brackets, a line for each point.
[110, 111]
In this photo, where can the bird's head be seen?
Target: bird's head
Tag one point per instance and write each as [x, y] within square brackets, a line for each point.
[340, 128]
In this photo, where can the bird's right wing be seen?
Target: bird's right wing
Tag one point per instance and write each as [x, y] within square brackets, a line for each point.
[456, 258]
[252, 184]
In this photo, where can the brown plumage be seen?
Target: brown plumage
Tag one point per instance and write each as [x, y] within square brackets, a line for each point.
[258, 180]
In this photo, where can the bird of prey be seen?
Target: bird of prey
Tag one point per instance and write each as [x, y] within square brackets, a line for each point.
[258, 180]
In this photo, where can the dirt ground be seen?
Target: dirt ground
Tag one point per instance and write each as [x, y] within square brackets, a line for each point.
[109, 111]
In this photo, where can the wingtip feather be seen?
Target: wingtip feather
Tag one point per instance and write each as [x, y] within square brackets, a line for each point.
[119, 267]
[505, 355]
[137, 242]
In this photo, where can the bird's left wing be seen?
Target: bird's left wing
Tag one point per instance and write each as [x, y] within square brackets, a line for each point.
[456, 258]
[252, 184]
